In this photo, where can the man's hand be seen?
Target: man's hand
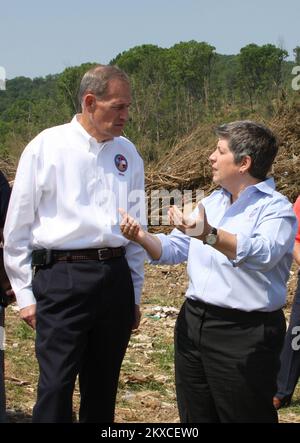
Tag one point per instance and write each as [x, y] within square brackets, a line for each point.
[137, 317]
[192, 225]
[28, 314]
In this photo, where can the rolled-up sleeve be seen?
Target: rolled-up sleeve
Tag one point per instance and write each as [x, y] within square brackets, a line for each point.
[271, 240]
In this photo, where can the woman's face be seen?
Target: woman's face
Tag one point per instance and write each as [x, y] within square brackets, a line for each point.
[224, 170]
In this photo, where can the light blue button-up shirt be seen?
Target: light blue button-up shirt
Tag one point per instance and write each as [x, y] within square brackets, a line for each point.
[265, 225]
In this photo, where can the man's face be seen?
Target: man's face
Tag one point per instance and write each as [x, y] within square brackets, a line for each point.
[110, 113]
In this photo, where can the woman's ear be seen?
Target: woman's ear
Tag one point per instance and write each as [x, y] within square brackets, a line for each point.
[245, 164]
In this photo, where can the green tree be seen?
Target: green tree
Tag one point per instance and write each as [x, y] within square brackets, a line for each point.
[261, 71]
[170, 87]
[145, 61]
[146, 66]
[190, 65]
[68, 84]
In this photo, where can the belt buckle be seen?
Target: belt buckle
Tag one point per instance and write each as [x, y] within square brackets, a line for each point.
[103, 254]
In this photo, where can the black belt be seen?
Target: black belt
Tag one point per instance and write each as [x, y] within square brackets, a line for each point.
[44, 257]
[232, 314]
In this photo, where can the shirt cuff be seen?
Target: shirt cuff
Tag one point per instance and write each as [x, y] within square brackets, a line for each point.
[243, 247]
[137, 293]
[25, 298]
[164, 251]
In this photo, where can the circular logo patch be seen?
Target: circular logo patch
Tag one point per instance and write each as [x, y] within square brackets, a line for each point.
[121, 162]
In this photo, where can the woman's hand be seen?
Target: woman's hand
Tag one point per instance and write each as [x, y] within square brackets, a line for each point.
[130, 228]
[133, 231]
[194, 225]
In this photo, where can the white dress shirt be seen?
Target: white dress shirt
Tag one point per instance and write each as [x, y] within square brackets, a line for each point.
[66, 195]
[265, 225]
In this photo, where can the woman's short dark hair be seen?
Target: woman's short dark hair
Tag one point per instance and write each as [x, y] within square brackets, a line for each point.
[253, 139]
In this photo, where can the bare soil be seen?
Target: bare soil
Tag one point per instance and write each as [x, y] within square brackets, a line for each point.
[146, 390]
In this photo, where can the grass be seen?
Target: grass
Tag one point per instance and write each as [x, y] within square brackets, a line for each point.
[149, 385]
[24, 332]
[292, 413]
[164, 357]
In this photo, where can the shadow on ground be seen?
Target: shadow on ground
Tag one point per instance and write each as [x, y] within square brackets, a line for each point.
[14, 416]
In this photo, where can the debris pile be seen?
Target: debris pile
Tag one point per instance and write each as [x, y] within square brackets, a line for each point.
[159, 312]
[186, 165]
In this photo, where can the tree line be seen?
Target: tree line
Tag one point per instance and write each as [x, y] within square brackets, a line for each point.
[174, 89]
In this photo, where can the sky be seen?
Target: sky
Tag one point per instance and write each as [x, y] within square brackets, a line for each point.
[40, 37]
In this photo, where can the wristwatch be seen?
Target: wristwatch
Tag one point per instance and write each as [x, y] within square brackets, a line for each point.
[211, 237]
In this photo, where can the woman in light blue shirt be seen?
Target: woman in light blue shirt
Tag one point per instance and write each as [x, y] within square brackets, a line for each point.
[238, 245]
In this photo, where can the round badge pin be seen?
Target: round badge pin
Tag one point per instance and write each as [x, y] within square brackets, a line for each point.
[121, 162]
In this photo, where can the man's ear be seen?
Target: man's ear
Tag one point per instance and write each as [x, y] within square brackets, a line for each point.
[89, 102]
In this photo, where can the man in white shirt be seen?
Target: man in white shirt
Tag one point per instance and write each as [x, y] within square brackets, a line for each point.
[76, 279]
[238, 245]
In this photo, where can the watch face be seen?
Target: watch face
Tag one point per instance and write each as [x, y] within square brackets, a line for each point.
[211, 239]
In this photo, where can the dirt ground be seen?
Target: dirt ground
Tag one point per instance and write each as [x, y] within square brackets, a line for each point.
[146, 390]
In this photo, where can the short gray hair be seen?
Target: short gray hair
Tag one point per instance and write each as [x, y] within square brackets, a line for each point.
[96, 79]
[253, 139]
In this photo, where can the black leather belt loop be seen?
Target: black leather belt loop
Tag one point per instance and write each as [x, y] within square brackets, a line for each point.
[44, 257]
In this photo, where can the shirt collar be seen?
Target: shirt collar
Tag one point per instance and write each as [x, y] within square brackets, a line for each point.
[266, 186]
[90, 140]
[75, 123]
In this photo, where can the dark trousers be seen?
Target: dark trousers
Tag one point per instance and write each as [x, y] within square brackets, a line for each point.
[85, 313]
[2, 385]
[289, 373]
[226, 363]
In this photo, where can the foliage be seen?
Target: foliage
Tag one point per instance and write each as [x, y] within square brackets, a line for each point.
[174, 89]
[261, 70]
[68, 84]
